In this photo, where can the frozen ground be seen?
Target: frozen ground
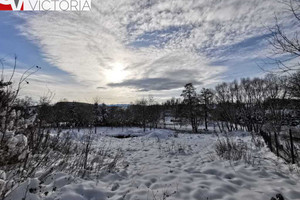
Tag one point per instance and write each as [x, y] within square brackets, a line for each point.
[159, 166]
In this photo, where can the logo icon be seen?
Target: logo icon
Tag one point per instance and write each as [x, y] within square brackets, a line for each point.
[12, 5]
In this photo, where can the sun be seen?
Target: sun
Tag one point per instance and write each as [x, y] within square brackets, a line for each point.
[117, 73]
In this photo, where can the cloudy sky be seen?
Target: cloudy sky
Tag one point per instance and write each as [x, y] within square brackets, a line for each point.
[127, 49]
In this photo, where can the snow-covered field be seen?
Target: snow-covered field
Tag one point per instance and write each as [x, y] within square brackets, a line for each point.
[158, 166]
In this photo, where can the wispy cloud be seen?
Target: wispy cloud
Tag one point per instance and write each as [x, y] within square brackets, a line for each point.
[155, 44]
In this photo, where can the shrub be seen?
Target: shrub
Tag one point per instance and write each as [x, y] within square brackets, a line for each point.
[232, 150]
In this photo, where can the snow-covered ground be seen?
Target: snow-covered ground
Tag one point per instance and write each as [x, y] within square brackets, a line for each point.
[158, 166]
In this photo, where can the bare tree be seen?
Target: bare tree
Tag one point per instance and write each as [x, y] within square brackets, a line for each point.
[96, 113]
[287, 43]
[294, 85]
[141, 112]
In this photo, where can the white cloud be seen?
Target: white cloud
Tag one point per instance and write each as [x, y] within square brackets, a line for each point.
[88, 45]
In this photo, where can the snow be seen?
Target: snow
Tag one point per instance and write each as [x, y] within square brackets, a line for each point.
[157, 166]
[87, 190]
[16, 145]
[123, 132]
[2, 175]
[2, 185]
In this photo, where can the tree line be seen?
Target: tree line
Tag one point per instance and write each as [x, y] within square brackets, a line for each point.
[247, 104]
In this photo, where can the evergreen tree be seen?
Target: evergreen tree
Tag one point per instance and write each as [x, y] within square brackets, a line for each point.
[206, 96]
[191, 101]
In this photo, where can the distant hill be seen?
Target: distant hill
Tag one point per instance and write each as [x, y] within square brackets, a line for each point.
[82, 104]
[119, 105]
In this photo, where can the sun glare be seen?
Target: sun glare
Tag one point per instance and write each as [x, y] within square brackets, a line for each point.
[116, 73]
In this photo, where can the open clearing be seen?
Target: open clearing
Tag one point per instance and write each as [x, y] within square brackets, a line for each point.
[157, 166]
